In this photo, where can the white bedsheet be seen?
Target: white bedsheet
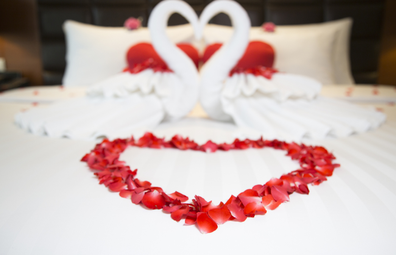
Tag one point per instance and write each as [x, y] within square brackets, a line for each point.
[50, 203]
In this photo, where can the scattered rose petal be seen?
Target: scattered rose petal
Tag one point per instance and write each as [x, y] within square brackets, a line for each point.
[117, 186]
[269, 27]
[153, 200]
[279, 194]
[191, 219]
[178, 214]
[255, 208]
[132, 23]
[270, 203]
[178, 195]
[137, 197]
[209, 146]
[236, 212]
[220, 215]
[205, 224]
[126, 193]
[144, 184]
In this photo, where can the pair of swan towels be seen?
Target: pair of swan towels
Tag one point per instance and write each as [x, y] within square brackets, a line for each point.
[167, 86]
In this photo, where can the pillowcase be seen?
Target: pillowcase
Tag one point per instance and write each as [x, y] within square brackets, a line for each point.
[341, 29]
[320, 51]
[95, 53]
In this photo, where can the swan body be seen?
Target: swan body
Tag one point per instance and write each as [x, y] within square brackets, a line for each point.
[185, 92]
[127, 103]
[284, 106]
[214, 72]
[179, 89]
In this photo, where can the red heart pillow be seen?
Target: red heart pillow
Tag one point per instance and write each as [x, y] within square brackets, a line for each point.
[142, 52]
[257, 54]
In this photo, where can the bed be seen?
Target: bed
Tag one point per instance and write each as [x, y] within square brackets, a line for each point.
[51, 202]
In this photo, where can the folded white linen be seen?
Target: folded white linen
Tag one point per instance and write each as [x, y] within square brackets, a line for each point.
[167, 86]
[91, 118]
[126, 102]
[285, 106]
[296, 119]
[281, 86]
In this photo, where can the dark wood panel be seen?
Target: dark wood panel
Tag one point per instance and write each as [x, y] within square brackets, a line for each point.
[20, 44]
[387, 67]
[20, 35]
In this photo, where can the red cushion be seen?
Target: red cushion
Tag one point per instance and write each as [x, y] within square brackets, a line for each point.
[141, 52]
[190, 51]
[257, 54]
[210, 50]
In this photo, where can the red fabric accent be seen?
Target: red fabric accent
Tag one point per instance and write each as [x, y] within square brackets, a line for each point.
[190, 51]
[141, 52]
[143, 56]
[257, 54]
[210, 50]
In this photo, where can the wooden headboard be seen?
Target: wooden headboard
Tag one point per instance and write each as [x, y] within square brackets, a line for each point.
[365, 37]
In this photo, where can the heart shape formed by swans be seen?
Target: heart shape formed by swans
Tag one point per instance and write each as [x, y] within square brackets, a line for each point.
[315, 165]
[218, 67]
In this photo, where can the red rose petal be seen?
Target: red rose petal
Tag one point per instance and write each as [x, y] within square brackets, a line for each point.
[202, 202]
[144, 184]
[236, 212]
[126, 193]
[279, 194]
[137, 197]
[191, 218]
[153, 200]
[225, 146]
[230, 200]
[209, 146]
[249, 193]
[131, 183]
[270, 203]
[178, 214]
[303, 189]
[220, 215]
[255, 208]
[247, 200]
[171, 209]
[326, 170]
[205, 224]
[178, 195]
[274, 181]
[117, 186]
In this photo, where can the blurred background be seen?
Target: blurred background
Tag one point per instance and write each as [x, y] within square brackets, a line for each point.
[32, 46]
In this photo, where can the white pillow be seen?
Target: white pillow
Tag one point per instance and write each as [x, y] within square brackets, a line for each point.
[320, 51]
[95, 53]
[341, 29]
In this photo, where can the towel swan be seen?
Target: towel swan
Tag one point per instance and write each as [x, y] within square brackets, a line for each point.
[127, 102]
[285, 106]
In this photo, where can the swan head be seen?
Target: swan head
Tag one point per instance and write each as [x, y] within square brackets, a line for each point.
[222, 6]
[166, 8]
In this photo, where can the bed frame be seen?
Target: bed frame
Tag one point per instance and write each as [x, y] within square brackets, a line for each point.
[365, 37]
